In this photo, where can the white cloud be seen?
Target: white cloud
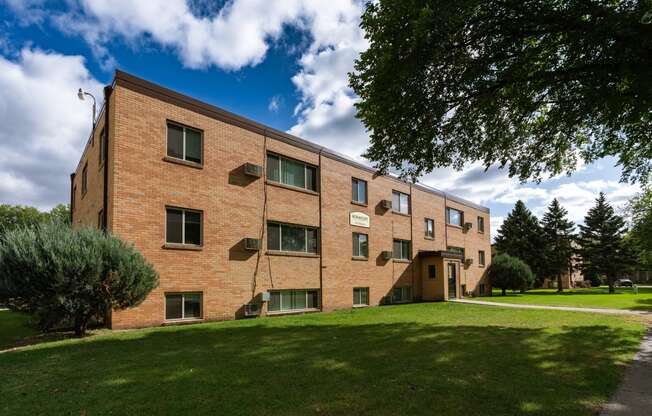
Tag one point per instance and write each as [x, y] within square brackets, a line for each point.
[275, 103]
[44, 125]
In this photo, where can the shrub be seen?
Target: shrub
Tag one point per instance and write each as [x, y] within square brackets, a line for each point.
[507, 272]
[64, 276]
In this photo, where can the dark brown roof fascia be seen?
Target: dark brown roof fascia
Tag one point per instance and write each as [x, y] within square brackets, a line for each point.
[167, 95]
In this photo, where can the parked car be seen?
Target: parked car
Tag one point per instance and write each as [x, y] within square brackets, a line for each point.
[624, 283]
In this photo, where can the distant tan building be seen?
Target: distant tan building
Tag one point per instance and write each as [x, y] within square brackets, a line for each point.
[240, 219]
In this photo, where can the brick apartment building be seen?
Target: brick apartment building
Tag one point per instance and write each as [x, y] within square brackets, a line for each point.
[240, 219]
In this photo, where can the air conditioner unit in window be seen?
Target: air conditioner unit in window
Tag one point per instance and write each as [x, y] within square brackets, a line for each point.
[468, 262]
[252, 309]
[386, 203]
[467, 226]
[387, 255]
[252, 244]
[265, 296]
[253, 170]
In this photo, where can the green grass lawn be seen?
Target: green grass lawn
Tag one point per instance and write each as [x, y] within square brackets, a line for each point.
[429, 358]
[598, 297]
[13, 328]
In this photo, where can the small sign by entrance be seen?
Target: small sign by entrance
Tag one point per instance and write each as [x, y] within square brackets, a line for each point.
[360, 219]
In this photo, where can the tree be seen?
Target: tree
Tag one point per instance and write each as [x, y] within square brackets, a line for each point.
[66, 276]
[15, 216]
[531, 85]
[601, 242]
[60, 213]
[558, 242]
[508, 272]
[639, 237]
[521, 236]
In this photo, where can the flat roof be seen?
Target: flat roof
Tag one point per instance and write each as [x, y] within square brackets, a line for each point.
[143, 86]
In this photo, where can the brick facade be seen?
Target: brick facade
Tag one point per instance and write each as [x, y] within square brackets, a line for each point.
[143, 182]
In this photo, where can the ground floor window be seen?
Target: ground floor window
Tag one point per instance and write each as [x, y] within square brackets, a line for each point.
[481, 289]
[402, 294]
[360, 296]
[293, 300]
[432, 271]
[183, 305]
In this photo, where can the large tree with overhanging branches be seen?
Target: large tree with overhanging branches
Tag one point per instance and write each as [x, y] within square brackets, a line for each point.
[532, 86]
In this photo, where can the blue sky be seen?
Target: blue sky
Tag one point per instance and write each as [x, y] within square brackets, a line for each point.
[282, 63]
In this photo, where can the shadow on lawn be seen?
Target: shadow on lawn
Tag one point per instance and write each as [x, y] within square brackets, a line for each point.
[373, 369]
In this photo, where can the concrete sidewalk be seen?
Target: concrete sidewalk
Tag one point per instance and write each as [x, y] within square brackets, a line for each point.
[634, 396]
[554, 308]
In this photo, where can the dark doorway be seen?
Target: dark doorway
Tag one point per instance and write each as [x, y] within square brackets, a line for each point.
[452, 281]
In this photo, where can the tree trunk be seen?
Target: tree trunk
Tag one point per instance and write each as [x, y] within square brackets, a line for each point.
[504, 291]
[81, 322]
[560, 287]
[612, 289]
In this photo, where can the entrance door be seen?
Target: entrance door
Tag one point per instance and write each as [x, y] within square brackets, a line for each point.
[452, 281]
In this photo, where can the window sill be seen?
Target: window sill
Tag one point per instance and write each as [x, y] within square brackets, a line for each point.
[183, 162]
[481, 266]
[360, 204]
[290, 187]
[402, 261]
[359, 258]
[168, 322]
[176, 246]
[454, 226]
[291, 254]
[480, 232]
[429, 238]
[401, 213]
[360, 306]
[294, 312]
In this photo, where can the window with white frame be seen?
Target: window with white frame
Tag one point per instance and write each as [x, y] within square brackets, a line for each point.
[401, 249]
[183, 306]
[400, 202]
[291, 238]
[481, 258]
[402, 294]
[360, 245]
[183, 226]
[481, 224]
[358, 191]
[429, 226]
[293, 300]
[184, 143]
[360, 296]
[291, 172]
[454, 217]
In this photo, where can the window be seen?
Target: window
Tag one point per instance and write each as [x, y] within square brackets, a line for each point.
[360, 296]
[454, 217]
[102, 149]
[293, 300]
[183, 226]
[402, 294]
[481, 258]
[100, 219]
[429, 226]
[401, 249]
[481, 224]
[358, 191]
[291, 172]
[481, 289]
[400, 202]
[85, 179]
[432, 271]
[295, 238]
[183, 306]
[360, 245]
[184, 143]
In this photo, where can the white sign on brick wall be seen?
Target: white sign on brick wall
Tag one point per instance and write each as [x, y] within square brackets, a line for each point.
[360, 219]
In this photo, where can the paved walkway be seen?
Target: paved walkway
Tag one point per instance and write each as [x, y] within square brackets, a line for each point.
[555, 308]
[634, 396]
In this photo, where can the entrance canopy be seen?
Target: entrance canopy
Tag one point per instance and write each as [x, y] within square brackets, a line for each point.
[446, 254]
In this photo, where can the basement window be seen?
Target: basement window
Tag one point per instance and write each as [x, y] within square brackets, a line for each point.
[402, 294]
[360, 296]
[293, 300]
[184, 143]
[179, 306]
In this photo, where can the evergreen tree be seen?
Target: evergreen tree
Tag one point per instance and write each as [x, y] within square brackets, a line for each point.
[558, 241]
[521, 236]
[601, 240]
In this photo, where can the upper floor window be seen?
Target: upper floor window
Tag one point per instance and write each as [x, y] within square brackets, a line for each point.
[183, 226]
[481, 224]
[85, 179]
[401, 249]
[360, 245]
[454, 217]
[184, 143]
[102, 149]
[481, 260]
[429, 226]
[358, 191]
[400, 202]
[293, 238]
[291, 172]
